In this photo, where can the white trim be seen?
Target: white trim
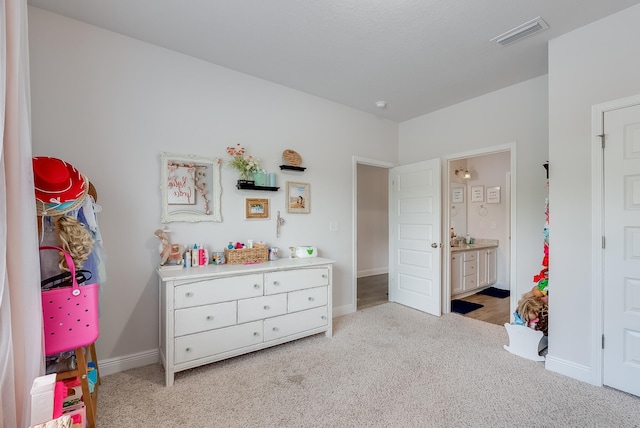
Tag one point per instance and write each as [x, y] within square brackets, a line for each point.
[343, 310]
[446, 255]
[569, 368]
[355, 160]
[372, 272]
[597, 230]
[119, 364]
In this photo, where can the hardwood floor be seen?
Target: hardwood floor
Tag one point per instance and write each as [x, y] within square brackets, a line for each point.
[494, 311]
[372, 291]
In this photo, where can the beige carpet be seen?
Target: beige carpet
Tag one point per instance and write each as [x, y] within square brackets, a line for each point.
[386, 366]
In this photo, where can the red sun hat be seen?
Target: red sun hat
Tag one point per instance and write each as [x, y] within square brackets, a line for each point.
[59, 186]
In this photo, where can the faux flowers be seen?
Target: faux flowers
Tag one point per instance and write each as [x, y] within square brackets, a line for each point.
[246, 165]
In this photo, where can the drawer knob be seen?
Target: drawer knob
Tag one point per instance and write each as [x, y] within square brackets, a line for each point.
[188, 349]
[255, 333]
[209, 317]
[266, 307]
[256, 285]
[324, 275]
[188, 294]
[275, 329]
[276, 283]
[323, 317]
[311, 299]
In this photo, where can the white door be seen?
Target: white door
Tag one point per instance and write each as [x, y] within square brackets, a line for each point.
[414, 236]
[622, 250]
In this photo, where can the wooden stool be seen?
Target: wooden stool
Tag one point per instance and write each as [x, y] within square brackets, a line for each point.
[85, 355]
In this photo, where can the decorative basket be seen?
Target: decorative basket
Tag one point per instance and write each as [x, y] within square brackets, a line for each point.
[291, 157]
[246, 255]
[70, 314]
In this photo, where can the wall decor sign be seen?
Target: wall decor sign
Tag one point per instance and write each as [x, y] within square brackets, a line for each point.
[255, 208]
[190, 187]
[298, 198]
[477, 193]
[493, 195]
[457, 195]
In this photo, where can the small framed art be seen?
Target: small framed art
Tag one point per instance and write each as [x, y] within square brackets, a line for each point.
[255, 208]
[298, 198]
[477, 193]
[493, 195]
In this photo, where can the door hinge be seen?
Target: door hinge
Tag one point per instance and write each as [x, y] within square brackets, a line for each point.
[603, 341]
[604, 242]
[602, 139]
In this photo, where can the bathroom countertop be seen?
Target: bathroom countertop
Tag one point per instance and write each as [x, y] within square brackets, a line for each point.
[478, 244]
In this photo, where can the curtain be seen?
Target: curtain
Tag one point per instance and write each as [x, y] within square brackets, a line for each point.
[21, 342]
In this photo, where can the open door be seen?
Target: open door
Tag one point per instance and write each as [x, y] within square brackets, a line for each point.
[622, 251]
[414, 236]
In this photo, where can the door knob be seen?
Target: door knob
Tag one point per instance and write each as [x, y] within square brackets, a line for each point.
[434, 245]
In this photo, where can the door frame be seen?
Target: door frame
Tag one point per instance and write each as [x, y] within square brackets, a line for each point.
[446, 202]
[355, 160]
[597, 253]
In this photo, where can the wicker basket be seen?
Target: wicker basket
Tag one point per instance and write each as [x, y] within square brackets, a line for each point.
[291, 157]
[246, 255]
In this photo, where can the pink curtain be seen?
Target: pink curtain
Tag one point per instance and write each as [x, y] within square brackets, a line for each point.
[21, 344]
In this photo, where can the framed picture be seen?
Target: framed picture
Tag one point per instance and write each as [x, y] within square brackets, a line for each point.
[477, 193]
[493, 195]
[190, 187]
[298, 198]
[457, 195]
[256, 208]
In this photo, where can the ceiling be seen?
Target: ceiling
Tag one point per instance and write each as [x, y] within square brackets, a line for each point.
[417, 55]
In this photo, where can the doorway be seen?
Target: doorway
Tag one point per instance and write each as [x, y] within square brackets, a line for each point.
[479, 205]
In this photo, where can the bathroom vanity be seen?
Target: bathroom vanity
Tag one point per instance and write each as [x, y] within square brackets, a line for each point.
[473, 266]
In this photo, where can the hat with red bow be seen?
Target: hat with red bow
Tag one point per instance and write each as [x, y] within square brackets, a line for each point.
[59, 186]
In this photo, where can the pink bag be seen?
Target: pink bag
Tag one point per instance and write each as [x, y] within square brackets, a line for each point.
[70, 314]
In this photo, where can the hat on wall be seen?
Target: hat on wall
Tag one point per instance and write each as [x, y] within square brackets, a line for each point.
[59, 186]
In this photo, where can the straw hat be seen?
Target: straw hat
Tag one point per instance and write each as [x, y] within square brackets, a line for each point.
[59, 186]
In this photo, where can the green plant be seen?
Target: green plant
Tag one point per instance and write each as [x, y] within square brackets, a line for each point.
[245, 164]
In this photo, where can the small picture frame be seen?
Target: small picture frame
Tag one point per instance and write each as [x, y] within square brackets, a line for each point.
[255, 208]
[298, 198]
[493, 195]
[477, 193]
[457, 195]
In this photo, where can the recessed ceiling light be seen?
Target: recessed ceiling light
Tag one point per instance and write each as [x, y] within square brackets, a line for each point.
[521, 31]
[381, 104]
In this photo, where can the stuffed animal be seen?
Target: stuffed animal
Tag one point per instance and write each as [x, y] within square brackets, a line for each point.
[167, 250]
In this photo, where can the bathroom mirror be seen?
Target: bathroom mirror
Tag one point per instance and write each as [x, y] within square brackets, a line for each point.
[458, 208]
[190, 188]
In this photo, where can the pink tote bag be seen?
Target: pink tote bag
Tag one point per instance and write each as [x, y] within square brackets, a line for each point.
[70, 314]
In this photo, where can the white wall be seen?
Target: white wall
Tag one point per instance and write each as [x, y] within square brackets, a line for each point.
[109, 105]
[592, 65]
[518, 114]
[373, 220]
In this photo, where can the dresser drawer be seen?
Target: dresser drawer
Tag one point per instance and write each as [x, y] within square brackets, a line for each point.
[286, 325]
[202, 318]
[261, 307]
[307, 299]
[208, 343]
[470, 255]
[280, 282]
[470, 268]
[217, 290]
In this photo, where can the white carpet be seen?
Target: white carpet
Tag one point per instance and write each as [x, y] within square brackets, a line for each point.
[386, 366]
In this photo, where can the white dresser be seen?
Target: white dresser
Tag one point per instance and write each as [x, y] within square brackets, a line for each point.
[214, 312]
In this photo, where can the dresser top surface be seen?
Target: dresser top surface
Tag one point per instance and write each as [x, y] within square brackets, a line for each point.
[211, 270]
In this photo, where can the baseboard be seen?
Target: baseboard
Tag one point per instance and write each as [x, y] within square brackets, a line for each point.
[570, 369]
[119, 364]
[343, 310]
[371, 272]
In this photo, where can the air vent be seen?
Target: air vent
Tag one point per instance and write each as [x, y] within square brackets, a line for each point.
[521, 31]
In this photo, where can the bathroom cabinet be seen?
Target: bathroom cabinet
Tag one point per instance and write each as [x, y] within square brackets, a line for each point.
[473, 267]
[215, 312]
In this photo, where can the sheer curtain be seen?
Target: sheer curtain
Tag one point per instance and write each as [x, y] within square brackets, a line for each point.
[21, 344]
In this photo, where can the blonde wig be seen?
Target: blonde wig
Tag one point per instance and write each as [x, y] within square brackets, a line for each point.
[75, 239]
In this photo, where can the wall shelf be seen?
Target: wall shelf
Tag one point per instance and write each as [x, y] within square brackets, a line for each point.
[251, 186]
[293, 168]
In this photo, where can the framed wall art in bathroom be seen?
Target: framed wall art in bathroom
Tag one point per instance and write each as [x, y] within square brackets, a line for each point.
[255, 208]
